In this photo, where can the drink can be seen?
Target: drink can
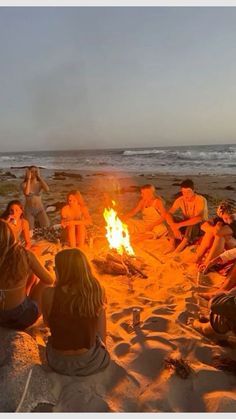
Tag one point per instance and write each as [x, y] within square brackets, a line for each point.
[136, 316]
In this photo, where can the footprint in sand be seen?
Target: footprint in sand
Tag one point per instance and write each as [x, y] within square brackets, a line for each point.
[127, 327]
[115, 338]
[121, 349]
[169, 301]
[164, 310]
[114, 304]
[155, 323]
[119, 314]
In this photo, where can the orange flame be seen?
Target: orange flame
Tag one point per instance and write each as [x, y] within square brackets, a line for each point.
[117, 232]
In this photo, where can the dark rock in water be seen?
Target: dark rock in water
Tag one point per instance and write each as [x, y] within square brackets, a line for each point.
[8, 174]
[67, 174]
[141, 174]
[229, 188]
[59, 178]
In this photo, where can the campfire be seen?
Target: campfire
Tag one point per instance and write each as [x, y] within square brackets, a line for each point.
[120, 259]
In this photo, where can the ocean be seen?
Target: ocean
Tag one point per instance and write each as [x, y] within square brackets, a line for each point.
[210, 159]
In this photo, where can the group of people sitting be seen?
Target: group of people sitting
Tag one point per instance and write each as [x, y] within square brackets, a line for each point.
[72, 300]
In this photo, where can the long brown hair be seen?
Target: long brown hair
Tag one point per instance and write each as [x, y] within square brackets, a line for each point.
[10, 204]
[13, 258]
[87, 297]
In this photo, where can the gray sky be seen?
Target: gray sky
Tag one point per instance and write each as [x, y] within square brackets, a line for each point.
[116, 77]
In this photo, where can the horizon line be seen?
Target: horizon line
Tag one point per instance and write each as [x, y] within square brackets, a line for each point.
[116, 148]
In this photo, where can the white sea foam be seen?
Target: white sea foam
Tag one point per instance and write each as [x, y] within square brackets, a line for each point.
[185, 160]
[143, 152]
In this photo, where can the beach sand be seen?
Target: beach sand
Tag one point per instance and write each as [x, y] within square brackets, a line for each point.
[164, 364]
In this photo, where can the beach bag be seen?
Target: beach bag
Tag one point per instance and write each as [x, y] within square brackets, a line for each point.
[223, 313]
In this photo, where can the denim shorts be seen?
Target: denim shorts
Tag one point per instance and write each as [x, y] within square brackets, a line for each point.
[20, 317]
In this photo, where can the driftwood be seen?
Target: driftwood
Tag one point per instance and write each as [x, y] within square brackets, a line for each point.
[110, 267]
[115, 264]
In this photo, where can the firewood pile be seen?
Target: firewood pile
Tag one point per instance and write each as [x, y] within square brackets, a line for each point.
[114, 264]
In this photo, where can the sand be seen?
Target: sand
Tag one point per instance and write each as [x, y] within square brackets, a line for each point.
[140, 377]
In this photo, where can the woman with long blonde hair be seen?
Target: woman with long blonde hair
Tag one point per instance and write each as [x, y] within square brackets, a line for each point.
[74, 218]
[20, 290]
[74, 310]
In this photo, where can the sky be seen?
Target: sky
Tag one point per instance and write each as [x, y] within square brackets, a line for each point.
[110, 77]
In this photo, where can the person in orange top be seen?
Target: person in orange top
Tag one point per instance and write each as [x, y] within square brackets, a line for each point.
[194, 211]
[74, 218]
[151, 207]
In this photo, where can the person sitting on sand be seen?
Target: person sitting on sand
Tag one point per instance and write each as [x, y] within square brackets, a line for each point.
[32, 186]
[74, 310]
[219, 236]
[227, 262]
[153, 212]
[194, 211]
[74, 218]
[222, 316]
[20, 295]
[14, 215]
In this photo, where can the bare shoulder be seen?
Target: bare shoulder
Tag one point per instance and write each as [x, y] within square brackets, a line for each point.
[25, 223]
[158, 201]
[200, 199]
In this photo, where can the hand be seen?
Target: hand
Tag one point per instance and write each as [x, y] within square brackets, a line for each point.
[28, 174]
[11, 220]
[175, 229]
[202, 268]
[37, 172]
[218, 226]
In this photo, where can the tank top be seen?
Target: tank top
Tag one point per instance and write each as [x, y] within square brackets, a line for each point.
[70, 331]
[151, 213]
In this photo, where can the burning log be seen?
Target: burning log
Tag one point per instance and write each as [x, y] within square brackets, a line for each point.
[117, 265]
[121, 260]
